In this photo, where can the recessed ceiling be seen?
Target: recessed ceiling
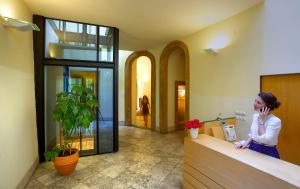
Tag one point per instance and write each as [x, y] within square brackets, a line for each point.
[144, 24]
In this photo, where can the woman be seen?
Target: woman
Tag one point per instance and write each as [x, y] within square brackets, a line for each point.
[145, 108]
[265, 128]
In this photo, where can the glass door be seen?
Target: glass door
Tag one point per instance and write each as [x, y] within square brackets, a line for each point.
[63, 78]
[106, 118]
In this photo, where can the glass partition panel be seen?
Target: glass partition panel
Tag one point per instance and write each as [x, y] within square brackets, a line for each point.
[70, 40]
[59, 79]
[106, 42]
[54, 83]
[85, 77]
[106, 110]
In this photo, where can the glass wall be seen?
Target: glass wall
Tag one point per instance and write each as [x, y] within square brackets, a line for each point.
[86, 77]
[54, 84]
[70, 40]
[62, 79]
[106, 110]
[76, 54]
[106, 41]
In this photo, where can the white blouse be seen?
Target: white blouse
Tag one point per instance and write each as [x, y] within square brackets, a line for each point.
[272, 125]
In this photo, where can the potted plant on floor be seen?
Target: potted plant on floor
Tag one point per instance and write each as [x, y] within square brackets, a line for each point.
[73, 110]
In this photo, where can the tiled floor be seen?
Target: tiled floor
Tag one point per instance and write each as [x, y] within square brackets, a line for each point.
[145, 159]
[139, 121]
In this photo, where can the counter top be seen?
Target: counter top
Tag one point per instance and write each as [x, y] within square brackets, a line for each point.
[279, 169]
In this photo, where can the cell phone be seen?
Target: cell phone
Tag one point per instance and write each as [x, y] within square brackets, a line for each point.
[269, 106]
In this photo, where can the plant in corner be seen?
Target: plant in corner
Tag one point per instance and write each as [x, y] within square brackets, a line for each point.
[73, 110]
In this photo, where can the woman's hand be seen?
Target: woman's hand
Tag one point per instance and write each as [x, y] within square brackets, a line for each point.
[261, 119]
[263, 114]
[241, 145]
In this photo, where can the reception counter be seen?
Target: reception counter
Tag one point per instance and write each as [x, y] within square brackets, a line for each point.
[213, 163]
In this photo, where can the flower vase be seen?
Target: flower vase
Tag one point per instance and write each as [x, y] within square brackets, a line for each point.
[194, 133]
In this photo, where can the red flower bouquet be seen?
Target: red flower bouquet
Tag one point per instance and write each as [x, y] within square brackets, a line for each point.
[193, 124]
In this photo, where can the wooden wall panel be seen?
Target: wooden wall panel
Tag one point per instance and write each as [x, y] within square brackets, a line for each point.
[194, 182]
[287, 89]
[187, 185]
[200, 177]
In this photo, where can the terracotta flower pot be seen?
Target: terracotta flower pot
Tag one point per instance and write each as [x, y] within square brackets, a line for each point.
[66, 165]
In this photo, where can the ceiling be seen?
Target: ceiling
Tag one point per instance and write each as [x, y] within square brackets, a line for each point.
[144, 24]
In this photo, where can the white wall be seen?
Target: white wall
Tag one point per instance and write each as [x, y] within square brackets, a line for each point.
[261, 40]
[281, 40]
[18, 132]
[176, 70]
[123, 55]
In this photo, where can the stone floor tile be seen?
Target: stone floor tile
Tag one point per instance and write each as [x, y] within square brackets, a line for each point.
[146, 159]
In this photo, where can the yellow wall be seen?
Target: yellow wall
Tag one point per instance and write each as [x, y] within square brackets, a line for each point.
[176, 64]
[134, 93]
[143, 71]
[18, 133]
[257, 41]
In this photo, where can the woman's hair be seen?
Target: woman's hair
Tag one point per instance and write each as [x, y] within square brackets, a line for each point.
[145, 98]
[270, 100]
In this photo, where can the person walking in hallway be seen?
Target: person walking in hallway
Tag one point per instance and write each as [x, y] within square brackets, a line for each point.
[145, 108]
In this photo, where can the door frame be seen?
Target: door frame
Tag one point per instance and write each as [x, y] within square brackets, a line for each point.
[177, 83]
[128, 86]
[163, 83]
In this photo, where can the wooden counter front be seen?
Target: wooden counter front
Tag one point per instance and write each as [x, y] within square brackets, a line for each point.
[212, 163]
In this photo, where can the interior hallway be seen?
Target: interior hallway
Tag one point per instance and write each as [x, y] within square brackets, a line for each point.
[139, 121]
[146, 159]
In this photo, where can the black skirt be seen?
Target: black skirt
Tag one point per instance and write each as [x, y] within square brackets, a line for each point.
[145, 110]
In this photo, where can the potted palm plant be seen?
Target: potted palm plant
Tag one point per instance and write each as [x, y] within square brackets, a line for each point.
[73, 110]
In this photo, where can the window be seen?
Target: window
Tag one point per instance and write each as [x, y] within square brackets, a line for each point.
[70, 40]
[106, 41]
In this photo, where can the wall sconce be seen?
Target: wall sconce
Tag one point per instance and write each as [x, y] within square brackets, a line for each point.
[211, 51]
[18, 24]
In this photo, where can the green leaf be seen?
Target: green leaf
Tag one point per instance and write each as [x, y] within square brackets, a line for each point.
[86, 122]
[73, 110]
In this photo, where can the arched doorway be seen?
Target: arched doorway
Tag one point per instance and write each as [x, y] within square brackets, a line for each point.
[128, 87]
[163, 88]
